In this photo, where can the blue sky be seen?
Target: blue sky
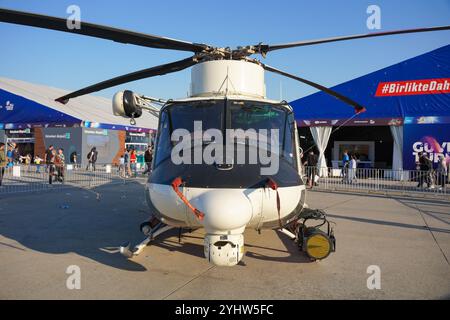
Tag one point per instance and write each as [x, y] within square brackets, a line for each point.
[71, 62]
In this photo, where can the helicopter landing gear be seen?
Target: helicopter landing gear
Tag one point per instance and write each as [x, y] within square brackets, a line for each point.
[316, 243]
[151, 230]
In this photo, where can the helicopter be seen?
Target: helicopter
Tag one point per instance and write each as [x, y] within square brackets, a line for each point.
[226, 158]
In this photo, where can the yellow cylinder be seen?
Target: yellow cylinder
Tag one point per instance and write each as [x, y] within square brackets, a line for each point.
[317, 244]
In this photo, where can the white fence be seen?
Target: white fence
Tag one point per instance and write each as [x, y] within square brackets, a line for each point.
[381, 181]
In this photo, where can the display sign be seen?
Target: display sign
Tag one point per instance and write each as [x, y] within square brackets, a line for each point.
[19, 131]
[101, 132]
[137, 134]
[65, 135]
[350, 122]
[434, 139]
[413, 87]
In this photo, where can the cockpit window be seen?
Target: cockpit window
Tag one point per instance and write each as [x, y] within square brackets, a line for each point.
[249, 115]
[259, 117]
[227, 114]
[210, 113]
[183, 116]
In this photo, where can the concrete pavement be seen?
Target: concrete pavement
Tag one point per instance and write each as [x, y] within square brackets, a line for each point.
[42, 234]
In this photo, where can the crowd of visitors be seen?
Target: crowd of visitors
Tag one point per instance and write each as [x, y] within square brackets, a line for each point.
[53, 163]
[434, 177]
[435, 174]
[128, 166]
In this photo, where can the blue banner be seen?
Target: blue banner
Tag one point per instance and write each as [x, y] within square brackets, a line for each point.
[434, 139]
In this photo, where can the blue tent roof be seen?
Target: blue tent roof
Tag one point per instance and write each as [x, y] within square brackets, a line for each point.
[431, 65]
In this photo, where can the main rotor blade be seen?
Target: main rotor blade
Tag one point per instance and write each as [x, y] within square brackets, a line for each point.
[267, 48]
[98, 31]
[358, 108]
[137, 75]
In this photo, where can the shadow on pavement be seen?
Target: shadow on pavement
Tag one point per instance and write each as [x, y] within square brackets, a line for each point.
[292, 253]
[76, 220]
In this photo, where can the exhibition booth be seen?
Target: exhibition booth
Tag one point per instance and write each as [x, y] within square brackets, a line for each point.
[30, 118]
[407, 111]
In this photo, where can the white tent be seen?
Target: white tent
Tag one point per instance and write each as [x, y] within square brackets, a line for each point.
[85, 108]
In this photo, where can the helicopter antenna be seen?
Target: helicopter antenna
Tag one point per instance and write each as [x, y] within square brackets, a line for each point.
[227, 81]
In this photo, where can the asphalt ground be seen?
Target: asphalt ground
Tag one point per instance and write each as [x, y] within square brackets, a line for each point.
[42, 234]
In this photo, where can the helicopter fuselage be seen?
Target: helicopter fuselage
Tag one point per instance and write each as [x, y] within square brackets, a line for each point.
[238, 162]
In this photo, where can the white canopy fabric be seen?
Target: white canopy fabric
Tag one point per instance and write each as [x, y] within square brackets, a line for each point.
[321, 135]
[397, 134]
[86, 108]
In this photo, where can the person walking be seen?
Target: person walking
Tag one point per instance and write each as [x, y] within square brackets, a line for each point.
[92, 158]
[442, 172]
[148, 157]
[3, 162]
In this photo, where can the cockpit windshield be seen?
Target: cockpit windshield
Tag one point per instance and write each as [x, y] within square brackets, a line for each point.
[249, 120]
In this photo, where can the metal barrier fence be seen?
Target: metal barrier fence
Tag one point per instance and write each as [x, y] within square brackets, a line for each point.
[31, 178]
[24, 178]
[405, 182]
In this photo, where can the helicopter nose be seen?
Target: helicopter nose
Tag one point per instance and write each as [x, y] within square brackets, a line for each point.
[225, 211]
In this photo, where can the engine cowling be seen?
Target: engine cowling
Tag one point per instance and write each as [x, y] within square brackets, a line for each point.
[126, 104]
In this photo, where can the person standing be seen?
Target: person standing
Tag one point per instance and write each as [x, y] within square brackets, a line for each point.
[429, 171]
[133, 160]
[16, 155]
[311, 168]
[345, 164]
[352, 169]
[37, 162]
[51, 165]
[126, 160]
[148, 157]
[60, 161]
[419, 167]
[27, 161]
[92, 158]
[122, 167]
[73, 159]
[442, 172]
[3, 162]
[9, 156]
[48, 157]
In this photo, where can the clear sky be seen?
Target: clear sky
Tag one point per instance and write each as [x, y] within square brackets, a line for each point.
[69, 61]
